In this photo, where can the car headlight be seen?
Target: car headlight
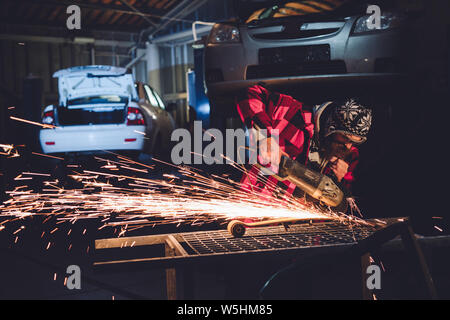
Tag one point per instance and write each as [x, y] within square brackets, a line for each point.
[388, 20]
[222, 33]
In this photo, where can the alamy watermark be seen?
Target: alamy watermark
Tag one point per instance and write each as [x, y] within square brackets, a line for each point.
[74, 20]
[74, 277]
[262, 147]
[374, 21]
[374, 280]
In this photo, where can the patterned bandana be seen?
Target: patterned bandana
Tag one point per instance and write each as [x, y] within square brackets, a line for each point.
[349, 119]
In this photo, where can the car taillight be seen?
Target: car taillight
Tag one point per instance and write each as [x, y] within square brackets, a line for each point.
[48, 118]
[135, 117]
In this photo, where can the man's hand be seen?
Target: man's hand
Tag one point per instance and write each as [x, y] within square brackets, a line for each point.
[339, 167]
[270, 152]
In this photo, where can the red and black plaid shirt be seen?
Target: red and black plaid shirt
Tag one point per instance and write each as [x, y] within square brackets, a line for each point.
[282, 114]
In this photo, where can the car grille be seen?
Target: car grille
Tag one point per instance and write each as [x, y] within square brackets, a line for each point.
[291, 30]
[291, 70]
[294, 35]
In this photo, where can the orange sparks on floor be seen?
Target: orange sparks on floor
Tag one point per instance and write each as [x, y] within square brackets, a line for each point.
[47, 126]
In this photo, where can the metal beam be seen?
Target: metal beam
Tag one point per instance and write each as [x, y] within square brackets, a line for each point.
[19, 38]
[155, 13]
[175, 96]
[186, 35]
[134, 61]
[138, 12]
[182, 10]
[174, 14]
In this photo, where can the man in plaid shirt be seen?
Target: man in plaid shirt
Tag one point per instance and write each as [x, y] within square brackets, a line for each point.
[324, 138]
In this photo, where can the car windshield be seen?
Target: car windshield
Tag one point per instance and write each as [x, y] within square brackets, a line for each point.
[98, 99]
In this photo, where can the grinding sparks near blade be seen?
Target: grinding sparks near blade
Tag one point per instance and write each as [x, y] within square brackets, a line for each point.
[129, 203]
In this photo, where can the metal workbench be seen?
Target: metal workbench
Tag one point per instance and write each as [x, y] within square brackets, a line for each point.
[178, 252]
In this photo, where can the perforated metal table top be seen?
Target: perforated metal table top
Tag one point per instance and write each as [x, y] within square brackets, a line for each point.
[277, 237]
[215, 245]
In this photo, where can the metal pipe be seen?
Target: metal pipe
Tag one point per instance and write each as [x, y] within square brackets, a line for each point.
[177, 12]
[194, 30]
[181, 35]
[92, 56]
[134, 61]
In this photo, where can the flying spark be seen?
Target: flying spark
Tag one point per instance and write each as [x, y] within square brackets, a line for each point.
[129, 202]
[43, 125]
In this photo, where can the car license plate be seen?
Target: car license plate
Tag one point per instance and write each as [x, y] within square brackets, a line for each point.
[294, 54]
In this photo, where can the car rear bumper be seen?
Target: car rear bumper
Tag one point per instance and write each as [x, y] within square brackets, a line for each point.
[92, 138]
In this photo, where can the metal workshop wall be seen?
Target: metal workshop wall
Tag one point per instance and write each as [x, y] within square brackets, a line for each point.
[19, 59]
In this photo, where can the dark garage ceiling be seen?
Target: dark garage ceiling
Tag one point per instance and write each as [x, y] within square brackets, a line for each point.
[114, 15]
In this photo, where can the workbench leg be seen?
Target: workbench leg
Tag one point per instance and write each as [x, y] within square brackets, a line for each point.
[367, 294]
[179, 281]
[171, 284]
[185, 280]
[171, 276]
[417, 258]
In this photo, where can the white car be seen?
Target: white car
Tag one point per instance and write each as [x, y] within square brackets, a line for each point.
[98, 111]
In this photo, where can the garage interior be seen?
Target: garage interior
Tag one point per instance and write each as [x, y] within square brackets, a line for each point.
[162, 43]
